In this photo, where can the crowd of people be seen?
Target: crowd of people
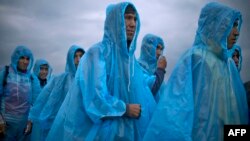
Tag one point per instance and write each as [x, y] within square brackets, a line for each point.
[106, 93]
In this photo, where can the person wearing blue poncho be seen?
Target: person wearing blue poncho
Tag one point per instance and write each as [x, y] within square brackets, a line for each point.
[109, 99]
[41, 75]
[52, 96]
[204, 92]
[153, 65]
[236, 55]
[15, 95]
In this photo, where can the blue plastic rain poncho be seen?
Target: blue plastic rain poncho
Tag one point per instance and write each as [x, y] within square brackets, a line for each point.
[36, 89]
[16, 95]
[231, 52]
[238, 84]
[53, 94]
[203, 93]
[107, 79]
[148, 59]
[36, 83]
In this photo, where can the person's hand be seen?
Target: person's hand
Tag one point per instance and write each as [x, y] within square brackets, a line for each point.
[28, 128]
[133, 110]
[2, 129]
[162, 62]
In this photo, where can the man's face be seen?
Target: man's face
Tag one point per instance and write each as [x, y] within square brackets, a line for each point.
[159, 51]
[130, 21]
[23, 63]
[235, 57]
[232, 38]
[44, 69]
[77, 57]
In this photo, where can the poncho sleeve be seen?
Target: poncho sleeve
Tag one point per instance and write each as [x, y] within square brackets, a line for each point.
[97, 100]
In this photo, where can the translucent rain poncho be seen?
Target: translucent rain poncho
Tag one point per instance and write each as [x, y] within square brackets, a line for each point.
[107, 79]
[203, 93]
[36, 70]
[148, 59]
[16, 95]
[237, 81]
[53, 94]
[36, 89]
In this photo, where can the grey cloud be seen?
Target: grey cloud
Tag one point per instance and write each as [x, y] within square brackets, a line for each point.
[50, 27]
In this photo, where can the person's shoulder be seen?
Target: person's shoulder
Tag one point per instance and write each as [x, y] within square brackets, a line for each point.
[34, 77]
[60, 76]
[93, 52]
[94, 49]
[4, 67]
[57, 77]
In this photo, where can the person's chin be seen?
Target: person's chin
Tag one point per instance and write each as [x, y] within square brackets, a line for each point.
[130, 36]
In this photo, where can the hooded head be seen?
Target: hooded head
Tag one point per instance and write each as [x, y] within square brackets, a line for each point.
[70, 64]
[40, 63]
[235, 54]
[216, 21]
[118, 31]
[148, 57]
[19, 52]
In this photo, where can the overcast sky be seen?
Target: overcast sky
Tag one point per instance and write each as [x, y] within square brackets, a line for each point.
[50, 27]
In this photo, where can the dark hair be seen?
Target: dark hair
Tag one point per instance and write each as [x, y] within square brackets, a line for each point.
[80, 50]
[130, 9]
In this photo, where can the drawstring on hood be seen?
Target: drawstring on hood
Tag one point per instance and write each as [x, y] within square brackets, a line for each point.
[131, 76]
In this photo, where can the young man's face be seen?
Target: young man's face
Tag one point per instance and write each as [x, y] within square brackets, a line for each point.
[77, 57]
[44, 70]
[235, 57]
[130, 21]
[23, 63]
[232, 38]
[159, 49]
